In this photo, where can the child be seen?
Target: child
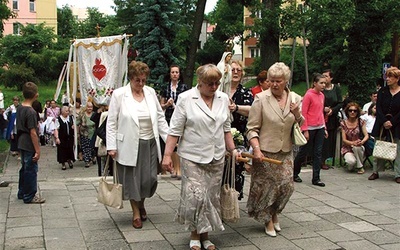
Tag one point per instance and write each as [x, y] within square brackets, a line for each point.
[28, 144]
[42, 126]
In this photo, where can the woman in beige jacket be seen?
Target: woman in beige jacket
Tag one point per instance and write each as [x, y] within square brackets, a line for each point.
[269, 126]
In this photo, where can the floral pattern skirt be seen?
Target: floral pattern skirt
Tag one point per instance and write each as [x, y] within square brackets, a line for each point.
[271, 186]
[200, 207]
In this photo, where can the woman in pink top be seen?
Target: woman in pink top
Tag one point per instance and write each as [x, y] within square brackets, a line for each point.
[313, 128]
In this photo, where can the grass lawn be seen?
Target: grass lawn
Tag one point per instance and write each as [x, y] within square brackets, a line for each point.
[46, 92]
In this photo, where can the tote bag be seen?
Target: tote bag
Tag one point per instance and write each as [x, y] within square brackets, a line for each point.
[229, 195]
[385, 150]
[110, 194]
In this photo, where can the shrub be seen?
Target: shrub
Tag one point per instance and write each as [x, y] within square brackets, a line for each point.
[17, 75]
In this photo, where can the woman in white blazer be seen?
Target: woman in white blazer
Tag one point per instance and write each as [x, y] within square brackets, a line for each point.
[135, 123]
[202, 122]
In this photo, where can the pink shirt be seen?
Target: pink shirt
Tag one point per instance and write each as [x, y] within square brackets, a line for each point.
[312, 109]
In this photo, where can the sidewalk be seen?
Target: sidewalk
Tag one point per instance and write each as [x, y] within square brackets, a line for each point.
[349, 213]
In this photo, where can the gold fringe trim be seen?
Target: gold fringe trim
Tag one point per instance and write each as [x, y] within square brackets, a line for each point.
[97, 47]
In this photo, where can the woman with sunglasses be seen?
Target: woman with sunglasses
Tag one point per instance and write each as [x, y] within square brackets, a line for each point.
[201, 121]
[354, 136]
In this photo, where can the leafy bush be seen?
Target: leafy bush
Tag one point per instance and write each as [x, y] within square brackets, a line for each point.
[17, 75]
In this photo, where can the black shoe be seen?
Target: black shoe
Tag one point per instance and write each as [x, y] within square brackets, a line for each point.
[297, 179]
[319, 183]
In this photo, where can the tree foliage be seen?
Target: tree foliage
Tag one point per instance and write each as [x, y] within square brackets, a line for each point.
[5, 14]
[156, 32]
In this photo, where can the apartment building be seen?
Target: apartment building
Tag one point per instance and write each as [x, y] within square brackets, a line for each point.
[31, 12]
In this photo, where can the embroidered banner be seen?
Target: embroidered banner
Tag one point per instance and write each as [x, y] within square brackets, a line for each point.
[102, 66]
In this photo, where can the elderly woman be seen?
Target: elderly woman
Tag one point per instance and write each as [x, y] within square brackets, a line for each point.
[202, 122]
[354, 136]
[271, 119]
[388, 118]
[263, 83]
[64, 135]
[241, 100]
[134, 125]
[87, 127]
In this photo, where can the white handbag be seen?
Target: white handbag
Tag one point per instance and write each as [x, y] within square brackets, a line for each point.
[110, 194]
[385, 150]
[229, 195]
[297, 136]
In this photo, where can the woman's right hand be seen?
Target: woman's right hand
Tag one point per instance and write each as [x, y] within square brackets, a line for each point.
[167, 163]
[112, 153]
[258, 155]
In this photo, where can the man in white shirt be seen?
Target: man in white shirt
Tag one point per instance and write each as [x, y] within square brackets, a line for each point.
[374, 96]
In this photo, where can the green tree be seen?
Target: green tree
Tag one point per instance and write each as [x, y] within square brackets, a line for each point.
[33, 39]
[156, 31]
[5, 14]
[229, 20]
[66, 23]
[368, 34]
[194, 38]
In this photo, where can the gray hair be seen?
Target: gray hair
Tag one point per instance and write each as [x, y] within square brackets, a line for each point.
[279, 69]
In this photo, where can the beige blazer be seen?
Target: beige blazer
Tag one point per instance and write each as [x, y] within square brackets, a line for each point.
[201, 130]
[123, 124]
[270, 124]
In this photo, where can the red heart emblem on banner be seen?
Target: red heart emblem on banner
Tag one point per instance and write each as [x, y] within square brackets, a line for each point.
[99, 70]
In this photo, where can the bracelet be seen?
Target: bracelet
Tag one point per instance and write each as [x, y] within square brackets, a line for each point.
[256, 146]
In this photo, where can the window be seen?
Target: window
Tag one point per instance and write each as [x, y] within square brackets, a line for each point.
[255, 52]
[32, 5]
[16, 29]
[15, 4]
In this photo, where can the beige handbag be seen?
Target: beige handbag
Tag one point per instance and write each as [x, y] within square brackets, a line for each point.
[297, 136]
[110, 194]
[229, 195]
[385, 150]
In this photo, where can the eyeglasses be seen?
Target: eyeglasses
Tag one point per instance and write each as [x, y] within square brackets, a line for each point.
[237, 70]
[211, 84]
[353, 110]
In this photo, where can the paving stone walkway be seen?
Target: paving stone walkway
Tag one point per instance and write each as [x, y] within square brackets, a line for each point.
[349, 213]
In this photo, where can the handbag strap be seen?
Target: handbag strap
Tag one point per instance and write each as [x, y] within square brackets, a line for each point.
[230, 169]
[390, 132]
[115, 172]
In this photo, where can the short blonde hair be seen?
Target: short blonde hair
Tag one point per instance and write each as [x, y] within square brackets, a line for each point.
[393, 71]
[279, 69]
[208, 73]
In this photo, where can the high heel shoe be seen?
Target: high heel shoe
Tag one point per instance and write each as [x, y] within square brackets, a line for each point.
[277, 227]
[70, 165]
[270, 233]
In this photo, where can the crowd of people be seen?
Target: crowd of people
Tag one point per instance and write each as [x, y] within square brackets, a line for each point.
[187, 132]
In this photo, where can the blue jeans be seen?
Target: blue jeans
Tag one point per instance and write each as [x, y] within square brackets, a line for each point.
[315, 143]
[27, 186]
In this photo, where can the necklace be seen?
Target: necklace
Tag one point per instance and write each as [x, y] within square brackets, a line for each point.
[209, 103]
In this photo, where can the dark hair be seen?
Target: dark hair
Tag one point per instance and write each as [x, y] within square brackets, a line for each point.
[29, 90]
[329, 71]
[351, 104]
[317, 77]
[370, 108]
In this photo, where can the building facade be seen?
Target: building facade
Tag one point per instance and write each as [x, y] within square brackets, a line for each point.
[31, 12]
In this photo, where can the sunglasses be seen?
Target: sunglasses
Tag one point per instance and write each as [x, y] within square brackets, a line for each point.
[211, 84]
[353, 110]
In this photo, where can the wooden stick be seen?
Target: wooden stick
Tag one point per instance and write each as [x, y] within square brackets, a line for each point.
[265, 159]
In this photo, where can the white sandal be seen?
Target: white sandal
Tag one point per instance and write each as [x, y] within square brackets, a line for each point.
[194, 244]
[207, 244]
